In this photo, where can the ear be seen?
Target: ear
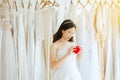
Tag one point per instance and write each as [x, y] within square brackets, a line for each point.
[63, 31]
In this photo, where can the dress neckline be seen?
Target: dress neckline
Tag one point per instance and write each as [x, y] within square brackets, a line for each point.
[65, 47]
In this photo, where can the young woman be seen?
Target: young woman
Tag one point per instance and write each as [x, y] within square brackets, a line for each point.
[62, 57]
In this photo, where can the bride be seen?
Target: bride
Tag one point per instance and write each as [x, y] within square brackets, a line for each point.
[64, 53]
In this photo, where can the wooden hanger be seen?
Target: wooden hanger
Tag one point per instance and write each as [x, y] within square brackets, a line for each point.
[5, 2]
[113, 4]
[36, 5]
[96, 3]
[55, 4]
[22, 4]
[100, 3]
[118, 4]
[43, 1]
[89, 2]
[106, 3]
[86, 4]
[39, 5]
[46, 3]
[79, 3]
[15, 5]
[29, 4]
[109, 4]
[71, 3]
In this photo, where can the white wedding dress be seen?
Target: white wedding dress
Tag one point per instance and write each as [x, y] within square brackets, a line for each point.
[68, 69]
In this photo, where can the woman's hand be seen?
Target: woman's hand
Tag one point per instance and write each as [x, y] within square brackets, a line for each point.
[80, 54]
[70, 50]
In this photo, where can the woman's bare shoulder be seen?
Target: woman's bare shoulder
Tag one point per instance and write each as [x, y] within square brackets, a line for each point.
[54, 45]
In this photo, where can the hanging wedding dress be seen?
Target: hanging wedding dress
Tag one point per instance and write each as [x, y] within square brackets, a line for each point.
[25, 13]
[68, 70]
[78, 16]
[115, 42]
[39, 73]
[46, 14]
[30, 42]
[119, 30]
[101, 38]
[95, 73]
[67, 7]
[89, 63]
[119, 20]
[19, 39]
[15, 34]
[8, 64]
[0, 44]
[60, 13]
[22, 58]
[108, 45]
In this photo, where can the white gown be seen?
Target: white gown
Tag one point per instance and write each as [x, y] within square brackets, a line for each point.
[8, 66]
[60, 13]
[115, 43]
[68, 69]
[0, 47]
[85, 36]
[47, 19]
[30, 44]
[39, 71]
[22, 57]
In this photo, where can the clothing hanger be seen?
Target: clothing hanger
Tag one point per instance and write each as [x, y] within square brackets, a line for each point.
[29, 4]
[36, 5]
[55, 4]
[5, 2]
[47, 2]
[79, 3]
[86, 4]
[42, 2]
[106, 3]
[112, 4]
[89, 2]
[100, 3]
[15, 5]
[22, 4]
[118, 4]
[97, 3]
[71, 3]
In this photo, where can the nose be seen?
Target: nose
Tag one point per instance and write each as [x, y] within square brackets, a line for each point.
[70, 36]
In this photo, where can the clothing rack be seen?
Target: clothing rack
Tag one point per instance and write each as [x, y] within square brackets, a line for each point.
[44, 3]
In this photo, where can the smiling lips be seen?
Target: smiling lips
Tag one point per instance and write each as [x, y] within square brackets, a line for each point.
[77, 49]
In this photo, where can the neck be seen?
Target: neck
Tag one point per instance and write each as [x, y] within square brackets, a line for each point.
[63, 40]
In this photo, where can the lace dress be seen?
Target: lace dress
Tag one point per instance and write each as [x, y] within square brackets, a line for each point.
[68, 70]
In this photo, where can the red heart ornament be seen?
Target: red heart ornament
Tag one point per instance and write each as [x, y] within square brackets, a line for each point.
[77, 49]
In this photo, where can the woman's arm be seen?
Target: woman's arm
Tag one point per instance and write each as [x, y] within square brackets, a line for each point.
[79, 55]
[56, 63]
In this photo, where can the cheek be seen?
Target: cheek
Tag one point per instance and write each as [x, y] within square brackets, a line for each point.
[65, 35]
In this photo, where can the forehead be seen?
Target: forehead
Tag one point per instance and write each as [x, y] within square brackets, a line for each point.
[71, 29]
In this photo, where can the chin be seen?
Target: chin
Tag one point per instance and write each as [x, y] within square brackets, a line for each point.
[68, 39]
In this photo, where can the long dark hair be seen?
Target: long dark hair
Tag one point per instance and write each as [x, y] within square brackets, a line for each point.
[66, 24]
